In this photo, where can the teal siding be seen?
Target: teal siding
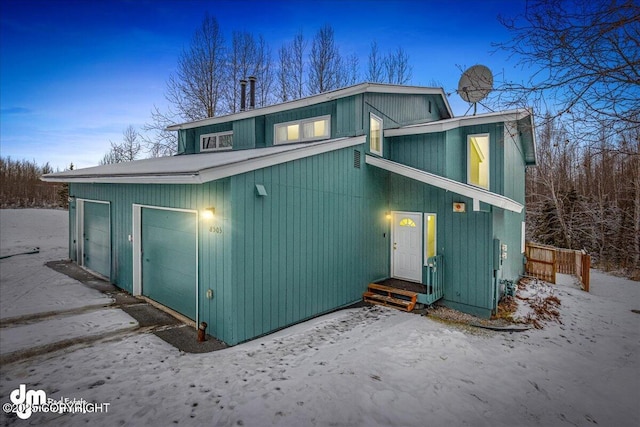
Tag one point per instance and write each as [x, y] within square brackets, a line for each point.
[73, 245]
[308, 247]
[244, 134]
[326, 108]
[508, 225]
[213, 244]
[425, 151]
[348, 120]
[402, 110]
[320, 235]
[464, 239]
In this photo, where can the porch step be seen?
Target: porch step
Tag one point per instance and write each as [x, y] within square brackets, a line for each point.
[390, 297]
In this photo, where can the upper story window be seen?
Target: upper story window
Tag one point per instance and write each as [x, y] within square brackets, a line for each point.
[375, 134]
[303, 130]
[216, 141]
[478, 160]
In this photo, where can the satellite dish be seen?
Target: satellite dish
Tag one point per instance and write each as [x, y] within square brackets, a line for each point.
[475, 84]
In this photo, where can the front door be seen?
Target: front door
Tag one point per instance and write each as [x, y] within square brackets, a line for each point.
[406, 246]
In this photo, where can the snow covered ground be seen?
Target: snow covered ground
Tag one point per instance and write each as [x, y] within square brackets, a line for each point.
[358, 367]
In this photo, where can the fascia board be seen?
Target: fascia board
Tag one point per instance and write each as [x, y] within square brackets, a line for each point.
[232, 169]
[207, 174]
[447, 184]
[317, 99]
[449, 124]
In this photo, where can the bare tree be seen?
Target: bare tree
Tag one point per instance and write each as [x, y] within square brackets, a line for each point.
[290, 74]
[158, 141]
[375, 68]
[397, 67]
[284, 80]
[194, 91]
[298, 50]
[584, 62]
[241, 64]
[348, 70]
[127, 150]
[324, 62]
[264, 73]
[21, 185]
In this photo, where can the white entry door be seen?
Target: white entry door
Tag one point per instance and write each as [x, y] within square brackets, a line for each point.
[406, 246]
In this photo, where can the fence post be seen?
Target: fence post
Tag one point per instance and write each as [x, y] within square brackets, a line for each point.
[586, 276]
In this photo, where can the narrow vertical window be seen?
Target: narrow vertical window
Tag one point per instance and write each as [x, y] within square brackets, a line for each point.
[478, 160]
[375, 134]
[430, 241]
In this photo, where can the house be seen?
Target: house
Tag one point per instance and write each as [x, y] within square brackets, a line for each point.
[273, 215]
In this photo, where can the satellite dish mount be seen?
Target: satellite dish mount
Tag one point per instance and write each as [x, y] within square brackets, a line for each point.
[475, 85]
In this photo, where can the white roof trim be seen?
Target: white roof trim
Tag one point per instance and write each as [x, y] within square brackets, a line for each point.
[200, 168]
[317, 99]
[448, 124]
[475, 193]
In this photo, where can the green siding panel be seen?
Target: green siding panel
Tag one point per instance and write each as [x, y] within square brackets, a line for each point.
[402, 110]
[214, 241]
[309, 246]
[464, 239]
[244, 134]
[346, 118]
[426, 151]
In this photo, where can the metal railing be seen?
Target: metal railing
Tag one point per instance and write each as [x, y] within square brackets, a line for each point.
[435, 278]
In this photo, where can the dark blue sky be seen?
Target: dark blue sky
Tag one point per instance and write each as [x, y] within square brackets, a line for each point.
[75, 73]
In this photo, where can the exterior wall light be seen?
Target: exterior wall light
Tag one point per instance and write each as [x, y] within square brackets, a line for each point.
[209, 213]
[387, 215]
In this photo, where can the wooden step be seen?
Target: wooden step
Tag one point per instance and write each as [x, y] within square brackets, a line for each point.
[390, 297]
[383, 288]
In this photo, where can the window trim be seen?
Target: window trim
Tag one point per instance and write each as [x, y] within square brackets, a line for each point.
[217, 135]
[379, 119]
[426, 236]
[488, 157]
[301, 123]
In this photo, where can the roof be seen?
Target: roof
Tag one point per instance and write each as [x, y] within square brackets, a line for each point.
[523, 116]
[318, 99]
[475, 193]
[200, 168]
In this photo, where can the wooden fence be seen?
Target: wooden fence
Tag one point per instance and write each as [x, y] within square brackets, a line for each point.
[544, 262]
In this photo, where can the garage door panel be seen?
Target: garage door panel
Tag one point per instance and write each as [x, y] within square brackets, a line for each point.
[169, 258]
[180, 241]
[97, 239]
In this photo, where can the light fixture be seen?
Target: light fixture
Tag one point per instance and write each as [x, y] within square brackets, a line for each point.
[209, 213]
[387, 215]
[459, 207]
